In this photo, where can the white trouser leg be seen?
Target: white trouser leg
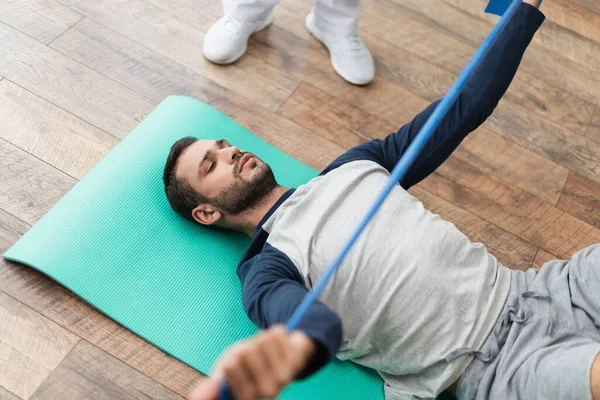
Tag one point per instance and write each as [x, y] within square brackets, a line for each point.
[248, 10]
[339, 17]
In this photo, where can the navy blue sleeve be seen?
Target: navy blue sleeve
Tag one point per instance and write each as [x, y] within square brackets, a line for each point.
[474, 105]
[272, 288]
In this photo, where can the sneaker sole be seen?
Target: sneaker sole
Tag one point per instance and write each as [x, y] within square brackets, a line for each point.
[236, 57]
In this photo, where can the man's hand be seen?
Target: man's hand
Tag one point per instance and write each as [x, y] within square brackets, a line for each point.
[260, 367]
[535, 3]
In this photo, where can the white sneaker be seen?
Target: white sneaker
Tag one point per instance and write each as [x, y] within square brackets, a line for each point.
[227, 40]
[349, 56]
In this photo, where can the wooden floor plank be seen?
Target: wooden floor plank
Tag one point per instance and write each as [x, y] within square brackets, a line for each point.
[60, 305]
[554, 68]
[577, 120]
[33, 335]
[570, 14]
[593, 130]
[513, 164]
[591, 5]
[561, 33]
[564, 41]
[548, 139]
[567, 75]
[512, 209]
[543, 257]
[20, 374]
[398, 25]
[581, 198]
[156, 76]
[332, 117]
[89, 372]
[50, 133]
[28, 186]
[39, 344]
[6, 395]
[57, 386]
[11, 229]
[43, 20]
[69, 85]
[171, 37]
[382, 98]
[510, 250]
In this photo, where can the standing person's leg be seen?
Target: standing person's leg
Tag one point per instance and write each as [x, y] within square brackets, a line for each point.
[227, 40]
[249, 10]
[335, 24]
[339, 17]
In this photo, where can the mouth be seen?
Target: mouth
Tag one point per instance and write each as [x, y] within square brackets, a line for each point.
[244, 160]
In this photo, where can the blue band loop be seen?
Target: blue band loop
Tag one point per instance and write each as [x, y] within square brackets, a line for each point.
[499, 7]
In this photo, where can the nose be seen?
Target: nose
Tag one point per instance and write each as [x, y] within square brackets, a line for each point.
[230, 153]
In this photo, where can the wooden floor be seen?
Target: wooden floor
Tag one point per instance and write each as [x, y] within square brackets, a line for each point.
[77, 75]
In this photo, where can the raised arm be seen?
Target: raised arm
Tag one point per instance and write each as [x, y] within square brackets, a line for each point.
[476, 102]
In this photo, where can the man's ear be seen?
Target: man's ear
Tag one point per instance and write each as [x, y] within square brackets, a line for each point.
[205, 214]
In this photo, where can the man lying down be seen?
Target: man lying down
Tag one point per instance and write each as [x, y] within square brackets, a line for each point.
[415, 299]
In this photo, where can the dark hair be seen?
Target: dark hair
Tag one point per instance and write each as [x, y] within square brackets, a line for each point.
[181, 195]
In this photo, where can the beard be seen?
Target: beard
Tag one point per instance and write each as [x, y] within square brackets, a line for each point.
[242, 196]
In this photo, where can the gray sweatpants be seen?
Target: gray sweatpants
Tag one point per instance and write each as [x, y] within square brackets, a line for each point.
[546, 338]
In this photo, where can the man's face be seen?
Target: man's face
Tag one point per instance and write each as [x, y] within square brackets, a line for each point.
[233, 180]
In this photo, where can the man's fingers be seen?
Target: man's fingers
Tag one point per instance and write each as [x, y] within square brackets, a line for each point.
[274, 352]
[261, 370]
[278, 338]
[207, 389]
[235, 371]
[292, 358]
[302, 348]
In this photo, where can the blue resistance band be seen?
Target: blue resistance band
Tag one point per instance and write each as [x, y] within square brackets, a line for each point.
[398, 173]
[499, 7]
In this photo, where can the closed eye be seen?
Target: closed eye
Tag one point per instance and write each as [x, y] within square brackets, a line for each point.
[211, 167]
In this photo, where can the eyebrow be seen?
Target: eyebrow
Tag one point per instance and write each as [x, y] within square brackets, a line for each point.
[208, 153]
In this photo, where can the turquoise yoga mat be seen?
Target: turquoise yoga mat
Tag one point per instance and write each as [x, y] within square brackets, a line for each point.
[114, 241]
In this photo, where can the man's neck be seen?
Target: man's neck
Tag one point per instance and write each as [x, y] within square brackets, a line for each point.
[248, 222]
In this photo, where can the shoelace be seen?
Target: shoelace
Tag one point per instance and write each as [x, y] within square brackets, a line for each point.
[233, 26]
[351, 43]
